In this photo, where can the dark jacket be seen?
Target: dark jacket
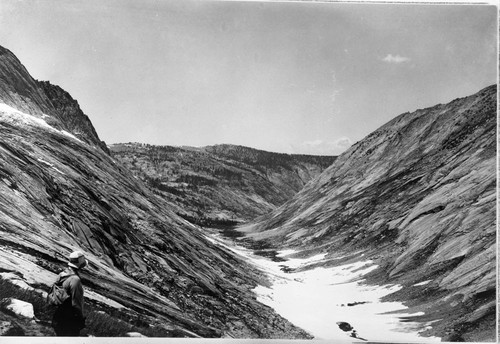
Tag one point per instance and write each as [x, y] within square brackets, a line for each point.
[68, 318]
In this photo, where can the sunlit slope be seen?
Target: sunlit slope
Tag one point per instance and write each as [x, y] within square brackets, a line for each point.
[418, 195]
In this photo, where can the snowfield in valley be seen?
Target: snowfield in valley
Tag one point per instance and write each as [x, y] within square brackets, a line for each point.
[317, 299]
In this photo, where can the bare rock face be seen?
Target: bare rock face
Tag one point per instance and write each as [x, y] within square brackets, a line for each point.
[43, 100]
[222, 184]
[18, 88]
[58, 193]
[418, 195]
[68, 112]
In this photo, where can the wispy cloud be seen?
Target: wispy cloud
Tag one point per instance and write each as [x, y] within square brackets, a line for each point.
[320, 147]
[395, 59]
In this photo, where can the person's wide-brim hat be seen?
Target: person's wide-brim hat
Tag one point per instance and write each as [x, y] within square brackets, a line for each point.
[77, 260]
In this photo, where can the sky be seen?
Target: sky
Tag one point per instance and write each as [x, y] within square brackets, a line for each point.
[291, 77]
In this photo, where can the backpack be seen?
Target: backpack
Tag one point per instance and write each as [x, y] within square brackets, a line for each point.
[57, 294]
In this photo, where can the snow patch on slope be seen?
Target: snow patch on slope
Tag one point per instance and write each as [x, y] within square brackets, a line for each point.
[10, 115]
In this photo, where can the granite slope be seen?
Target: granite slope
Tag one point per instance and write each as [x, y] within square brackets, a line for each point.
[417, 196]
[59, 192]
[43, 100]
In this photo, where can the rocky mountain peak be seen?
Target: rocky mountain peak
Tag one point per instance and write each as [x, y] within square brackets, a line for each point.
[68, 111]
[43, 100]
[18, 89]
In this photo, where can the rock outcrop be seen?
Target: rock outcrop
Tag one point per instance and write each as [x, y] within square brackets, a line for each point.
[43, 100]
[223, 184]
[59, 193]
[418, 196]
[18, 88]
[67, 110]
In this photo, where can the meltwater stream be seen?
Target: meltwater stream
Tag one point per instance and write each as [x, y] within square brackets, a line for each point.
[317, 299]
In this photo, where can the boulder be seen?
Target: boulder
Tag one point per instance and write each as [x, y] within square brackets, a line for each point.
[20, 308]
[134, 334]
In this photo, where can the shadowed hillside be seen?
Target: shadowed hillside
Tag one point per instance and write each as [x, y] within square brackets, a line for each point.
[417, 196]
[223, 184]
